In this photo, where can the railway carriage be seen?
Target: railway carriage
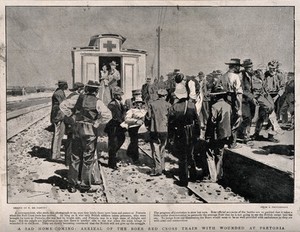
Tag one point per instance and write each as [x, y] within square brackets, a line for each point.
[104, 48]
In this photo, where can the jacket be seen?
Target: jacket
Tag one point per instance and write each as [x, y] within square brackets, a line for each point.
[183, 121]
[219, 122]
[57, 98]
[158, 115]
[274, 83]
[247, 85]
[118, 114]
[145, 92]
[129, 103]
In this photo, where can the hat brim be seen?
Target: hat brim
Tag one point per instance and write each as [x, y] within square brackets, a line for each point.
[93, 86]
[247, 65]
[118, 93]
[139, 101]
[112, 64]
[233, 64]
[219, 93]
[76, 88]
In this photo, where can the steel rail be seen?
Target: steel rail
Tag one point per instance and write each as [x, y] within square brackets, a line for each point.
[175, 178]
[208, 192]
[20, 112]
[11, 133]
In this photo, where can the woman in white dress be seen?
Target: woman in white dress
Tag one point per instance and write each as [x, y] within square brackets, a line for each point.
[104, 93]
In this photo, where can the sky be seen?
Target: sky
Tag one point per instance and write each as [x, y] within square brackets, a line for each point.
[40, 39]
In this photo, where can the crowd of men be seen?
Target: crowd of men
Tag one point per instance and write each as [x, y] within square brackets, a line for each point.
[191, 115]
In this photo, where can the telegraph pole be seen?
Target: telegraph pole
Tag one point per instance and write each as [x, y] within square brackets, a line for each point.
[158, 30]
[152, 68]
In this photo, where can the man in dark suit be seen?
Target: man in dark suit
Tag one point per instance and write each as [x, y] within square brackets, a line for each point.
[145, 90]
[248, 102]
[57, 118]
[183, 123]
[116, 134]
[289, 102]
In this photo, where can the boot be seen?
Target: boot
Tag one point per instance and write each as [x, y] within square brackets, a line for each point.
[272, 139]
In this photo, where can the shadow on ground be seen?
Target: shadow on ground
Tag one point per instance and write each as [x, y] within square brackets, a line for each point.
[280, 149]
[54, 181]
[43, 153]
[40, 152]
[50, 128]
[261, 152]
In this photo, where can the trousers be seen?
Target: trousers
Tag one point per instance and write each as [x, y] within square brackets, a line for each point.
[59, 131]
[185, 153]
[133, 147]
[158, 141]
[248, 112]
[214, 154]
[82, 160]
[116, 138]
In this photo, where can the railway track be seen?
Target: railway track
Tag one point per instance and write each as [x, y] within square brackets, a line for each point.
[207, 192]
[20, 120]
[16, 113]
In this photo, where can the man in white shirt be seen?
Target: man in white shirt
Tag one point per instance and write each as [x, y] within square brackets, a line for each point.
[232, 85]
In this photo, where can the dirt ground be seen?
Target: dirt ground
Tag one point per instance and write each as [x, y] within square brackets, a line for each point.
[34, 178]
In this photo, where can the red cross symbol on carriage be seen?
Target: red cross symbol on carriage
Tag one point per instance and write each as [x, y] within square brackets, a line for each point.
[109, 46]
[104, 48]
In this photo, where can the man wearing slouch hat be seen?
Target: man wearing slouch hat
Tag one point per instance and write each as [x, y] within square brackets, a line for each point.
[218, 132]
[57, 119]
[145, 90]
[116, 134]
[232, 85]
[275, 85]
[134, 119]
[249, 102]
[89, 112]
[66, 107]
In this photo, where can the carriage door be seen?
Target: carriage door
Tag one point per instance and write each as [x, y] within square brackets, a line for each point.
[129, 77]
[90, 68]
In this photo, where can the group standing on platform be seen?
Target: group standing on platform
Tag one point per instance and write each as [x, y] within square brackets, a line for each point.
[179, 113]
